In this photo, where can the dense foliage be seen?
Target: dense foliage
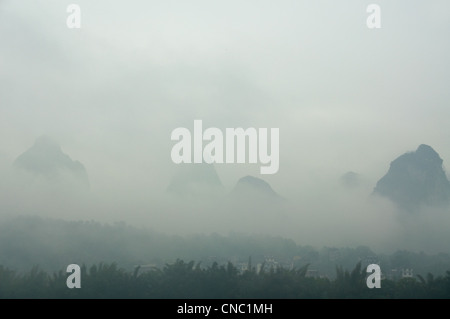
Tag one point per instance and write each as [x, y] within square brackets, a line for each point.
[188, 280]
[35, 252]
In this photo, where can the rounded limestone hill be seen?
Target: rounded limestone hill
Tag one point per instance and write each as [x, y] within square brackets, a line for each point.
[255, 184]
[416, 179]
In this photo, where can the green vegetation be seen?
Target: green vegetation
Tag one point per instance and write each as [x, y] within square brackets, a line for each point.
[53, 244]
[35, 252]
[187, 280]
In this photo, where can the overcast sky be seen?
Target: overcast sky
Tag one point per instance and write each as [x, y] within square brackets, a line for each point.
[345, 97]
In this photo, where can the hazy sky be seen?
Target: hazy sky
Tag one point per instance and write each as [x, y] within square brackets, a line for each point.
[345, 97]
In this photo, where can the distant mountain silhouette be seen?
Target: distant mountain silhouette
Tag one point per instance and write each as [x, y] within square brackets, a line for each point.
[253, 187]
[45, 158]
[416, 179]
[195, 180]
[253, 198]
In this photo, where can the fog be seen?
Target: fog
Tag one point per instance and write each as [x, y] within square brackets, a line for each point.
[345, 98]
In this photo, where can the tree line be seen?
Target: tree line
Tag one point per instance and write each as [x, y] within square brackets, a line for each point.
[189, 280]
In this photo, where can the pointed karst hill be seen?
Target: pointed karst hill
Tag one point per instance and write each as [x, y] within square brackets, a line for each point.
[46, 159]
[250, 187]
[195, 180]
[416, 179]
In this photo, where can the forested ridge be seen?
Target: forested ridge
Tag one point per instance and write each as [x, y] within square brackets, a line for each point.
[52, 244]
